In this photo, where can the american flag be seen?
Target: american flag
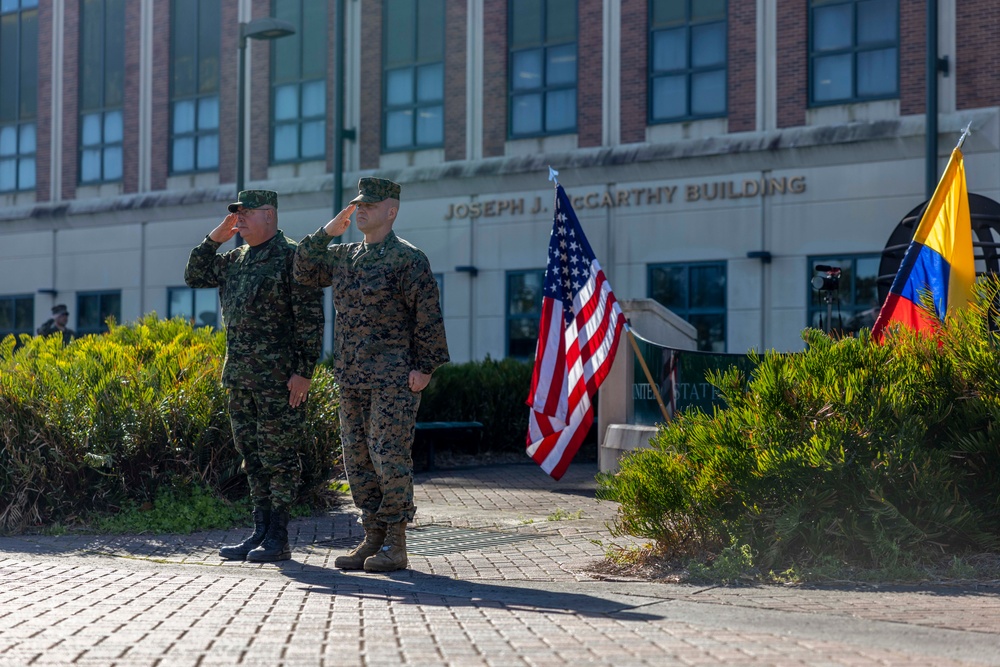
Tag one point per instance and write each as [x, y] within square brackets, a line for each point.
[577, 338]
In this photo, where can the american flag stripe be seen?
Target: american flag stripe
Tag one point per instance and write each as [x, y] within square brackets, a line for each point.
[581, 324]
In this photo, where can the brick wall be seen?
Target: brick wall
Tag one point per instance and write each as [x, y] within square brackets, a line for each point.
[742, 66]
[912, 58]
[130, 111]
[793, 62]
[494, 77]
[43, 121]
[259, 99]
[455, 31]
[331, 81]
[71, 71]
[159, 141]
[590, 63]
[228, 100]
[977, 59]
[634, 71]
[370, 130]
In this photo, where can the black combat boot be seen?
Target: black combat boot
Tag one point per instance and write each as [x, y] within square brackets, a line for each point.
[261, 518]
[275, 544]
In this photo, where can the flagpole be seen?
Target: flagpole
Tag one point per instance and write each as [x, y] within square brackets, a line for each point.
[649, 376]
[965, 135]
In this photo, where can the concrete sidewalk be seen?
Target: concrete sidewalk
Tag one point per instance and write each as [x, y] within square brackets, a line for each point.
[499, 561]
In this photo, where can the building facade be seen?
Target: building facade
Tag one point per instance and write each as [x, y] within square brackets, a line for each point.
[715, 151]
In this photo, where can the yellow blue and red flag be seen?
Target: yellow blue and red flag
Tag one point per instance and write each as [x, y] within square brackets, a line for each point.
[939, 260]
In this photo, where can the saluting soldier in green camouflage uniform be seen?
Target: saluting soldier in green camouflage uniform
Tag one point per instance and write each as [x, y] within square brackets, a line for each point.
[389, 339]
[274, 331]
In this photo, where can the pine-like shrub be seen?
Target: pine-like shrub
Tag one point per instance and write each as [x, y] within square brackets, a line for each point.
[489, 391]
[112, 418]
[873, 455]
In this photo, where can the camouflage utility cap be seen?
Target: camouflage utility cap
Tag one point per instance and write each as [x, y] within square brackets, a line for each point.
[374, 190]
[255, 199]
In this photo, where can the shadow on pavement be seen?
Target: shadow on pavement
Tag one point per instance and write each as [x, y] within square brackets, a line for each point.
[412, 587]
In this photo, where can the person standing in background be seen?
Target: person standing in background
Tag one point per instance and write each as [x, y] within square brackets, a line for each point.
[57, 324]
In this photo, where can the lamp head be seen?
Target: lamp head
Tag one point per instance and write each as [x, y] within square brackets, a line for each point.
[266, 27]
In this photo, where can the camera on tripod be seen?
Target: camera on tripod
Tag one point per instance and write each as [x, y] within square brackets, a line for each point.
[829, 282]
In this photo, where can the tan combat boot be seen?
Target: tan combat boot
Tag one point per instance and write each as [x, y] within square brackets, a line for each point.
[355, 559]
[392, 556]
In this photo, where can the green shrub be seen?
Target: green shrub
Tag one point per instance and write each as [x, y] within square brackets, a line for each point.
[491, 392]
[112, 419]
[876, 455]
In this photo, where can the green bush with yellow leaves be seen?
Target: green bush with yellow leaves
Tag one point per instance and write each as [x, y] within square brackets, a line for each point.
[852, 452]
[114, 419]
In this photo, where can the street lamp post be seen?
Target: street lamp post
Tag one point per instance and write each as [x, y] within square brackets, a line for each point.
[266, 27]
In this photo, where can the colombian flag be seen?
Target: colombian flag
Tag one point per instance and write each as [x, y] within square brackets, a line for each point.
[939, 259]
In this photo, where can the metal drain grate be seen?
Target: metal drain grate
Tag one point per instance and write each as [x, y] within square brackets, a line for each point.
[434, 540]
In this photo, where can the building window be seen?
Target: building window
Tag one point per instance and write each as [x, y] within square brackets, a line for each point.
[697, 293]
[18, 93]
[413, 79]
[102, 89]
[200, 307]
[17, 315]
[194, 86]
[854, 303]
[543, 73]
[93, 310]
[854, 50]
[687, 59]
[524, 310]
[298, 83]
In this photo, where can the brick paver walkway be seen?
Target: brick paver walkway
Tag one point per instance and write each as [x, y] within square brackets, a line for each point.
[499, 576]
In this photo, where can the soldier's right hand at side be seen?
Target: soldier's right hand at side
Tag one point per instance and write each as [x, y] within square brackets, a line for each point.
[226, 229]
[339, 224]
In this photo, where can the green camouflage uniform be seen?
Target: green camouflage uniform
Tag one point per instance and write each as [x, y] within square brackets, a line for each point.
[274, 329]
[388, 323]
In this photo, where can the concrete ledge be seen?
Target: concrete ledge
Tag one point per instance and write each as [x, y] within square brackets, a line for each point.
[621, 439]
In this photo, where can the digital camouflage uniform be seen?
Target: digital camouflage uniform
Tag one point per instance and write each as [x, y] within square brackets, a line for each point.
[273, 330]
[388, 323]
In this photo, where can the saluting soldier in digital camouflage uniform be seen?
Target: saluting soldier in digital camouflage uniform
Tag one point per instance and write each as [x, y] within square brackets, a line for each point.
[274, 331]
[389, 339]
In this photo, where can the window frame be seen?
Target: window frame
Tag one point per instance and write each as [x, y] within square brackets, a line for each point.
[687, 311]
[689, 71]
[196, 134]
[510, 317]
[838, 312]
[300, 82]
[853, 50]
[20, 120]
[193, 292]
[82, 330]
[104, 109]
[415, 104]
[10, 301]
[545, 45]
